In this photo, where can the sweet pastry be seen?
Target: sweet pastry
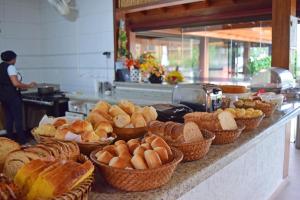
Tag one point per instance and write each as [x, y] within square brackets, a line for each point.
[121, 120]
[6, 146]
[152, 159]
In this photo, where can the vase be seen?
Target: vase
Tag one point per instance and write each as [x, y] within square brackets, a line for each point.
[135, 75]
[155, 79]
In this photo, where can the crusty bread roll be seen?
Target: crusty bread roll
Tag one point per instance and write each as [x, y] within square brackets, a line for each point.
[59, 122]
[80, 126]
[152, 159]
[116, 110]
[102, 106]
[149, 139]
[6, 146]
[122, 148]
[146, 146]
[121, 121]
[104, 156]
[191, 132]
[139, 151]
[95, 118]
[133, 141]
[118, 162]
[106, 126]
[227, 121]
[159, 142]
[127, 106]
[149, 113]
[138, 120]
[132, 146]
[138, 162]
[233, 89]
[101, 133]
[120, 142]
[127, 157]
[111, 149]
[163, 154]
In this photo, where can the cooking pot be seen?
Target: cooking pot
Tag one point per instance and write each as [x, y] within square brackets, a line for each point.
[45, 89]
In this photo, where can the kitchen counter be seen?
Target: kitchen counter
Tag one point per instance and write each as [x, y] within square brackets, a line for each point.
[250, 168]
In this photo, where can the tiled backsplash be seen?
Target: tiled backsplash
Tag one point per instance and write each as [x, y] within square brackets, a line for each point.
[53, 49]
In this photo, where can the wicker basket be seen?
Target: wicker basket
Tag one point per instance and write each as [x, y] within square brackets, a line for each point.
[196, 150]
[139, 180]
[250, 123]
[85, 147]
[130, 133]
[226, 137]
[268, 111]
[80, 192]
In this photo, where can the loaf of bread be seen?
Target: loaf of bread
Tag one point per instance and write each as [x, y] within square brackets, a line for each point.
[136, 154]
[6, 146]
[46, 180]
[233, 89]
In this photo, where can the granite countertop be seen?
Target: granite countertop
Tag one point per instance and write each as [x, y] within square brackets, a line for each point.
[189, 175]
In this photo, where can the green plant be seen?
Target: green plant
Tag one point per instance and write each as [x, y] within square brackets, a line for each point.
[257, 64]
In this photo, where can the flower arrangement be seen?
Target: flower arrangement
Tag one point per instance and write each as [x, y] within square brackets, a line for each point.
[149, 65]
[131, 63]
[174, 77]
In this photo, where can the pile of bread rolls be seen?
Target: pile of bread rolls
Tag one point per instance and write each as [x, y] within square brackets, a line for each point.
[252, 103]
[216, 121]
[243, 113]
[123, 115]
[175, 132]
[150, 153]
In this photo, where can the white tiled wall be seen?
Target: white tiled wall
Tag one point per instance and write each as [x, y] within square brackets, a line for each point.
[54, 49]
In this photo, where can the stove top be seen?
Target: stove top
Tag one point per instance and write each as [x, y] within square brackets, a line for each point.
[51, 99]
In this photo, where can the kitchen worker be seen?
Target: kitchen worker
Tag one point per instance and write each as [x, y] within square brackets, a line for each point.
[10, 96]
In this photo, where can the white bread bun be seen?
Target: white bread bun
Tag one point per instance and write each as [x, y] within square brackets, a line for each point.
[102, 106]
[152, 159]
[191, 132]
[138, 162]
[118, 162]
[149, 113]
[121, 149]
[227, 121]
[106, 126]
[116, 110]
[121, 121]
[95, 118]
[138, 120]
[111, 149]
[159, 142]
[139, 151]
[163, 154]
[127, 106]
[104, 157]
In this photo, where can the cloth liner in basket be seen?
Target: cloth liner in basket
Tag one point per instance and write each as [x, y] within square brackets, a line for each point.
[136, 180]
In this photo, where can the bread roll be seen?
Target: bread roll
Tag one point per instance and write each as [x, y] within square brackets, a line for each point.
[59, 122]
[139, 151]
[138, 162]
[132, 141]
[127, 157]
[133, 146]
[146, 146]
[121, 121]
[156, 127]
[102, 134]
[152, 159]
[149, 139]
[80, 126]
[90, 136]
[120, 142]
[163, 154]
[104, 157]
[138, 109]
[227, 121]
[106, 126]
[116, 110]
[138, 120]
[102, 106]
[111, 149]
[122, 148]
[95, 118]
[127, 106]
[159, 142]
[118, 163]
[149, 113]
[61, 132]
[191, 132]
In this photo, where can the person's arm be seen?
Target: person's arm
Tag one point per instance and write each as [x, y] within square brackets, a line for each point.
[19, 84]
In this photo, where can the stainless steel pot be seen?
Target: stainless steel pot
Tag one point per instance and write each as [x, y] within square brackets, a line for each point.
[45, 89]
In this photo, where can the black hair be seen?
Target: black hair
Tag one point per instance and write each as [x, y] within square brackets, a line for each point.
[8, 56]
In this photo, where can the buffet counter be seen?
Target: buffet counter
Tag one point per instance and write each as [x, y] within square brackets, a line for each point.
[251, 168]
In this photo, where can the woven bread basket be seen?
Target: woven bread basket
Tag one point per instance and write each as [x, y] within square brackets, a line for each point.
[85, 147]
[250, 123]
[137, 180]
[80, 192]
[267, 110]
[196, 150]
[226, 137]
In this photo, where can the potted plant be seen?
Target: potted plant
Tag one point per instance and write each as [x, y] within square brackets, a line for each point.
[174, 77]
[151, 68]
[133, 67]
